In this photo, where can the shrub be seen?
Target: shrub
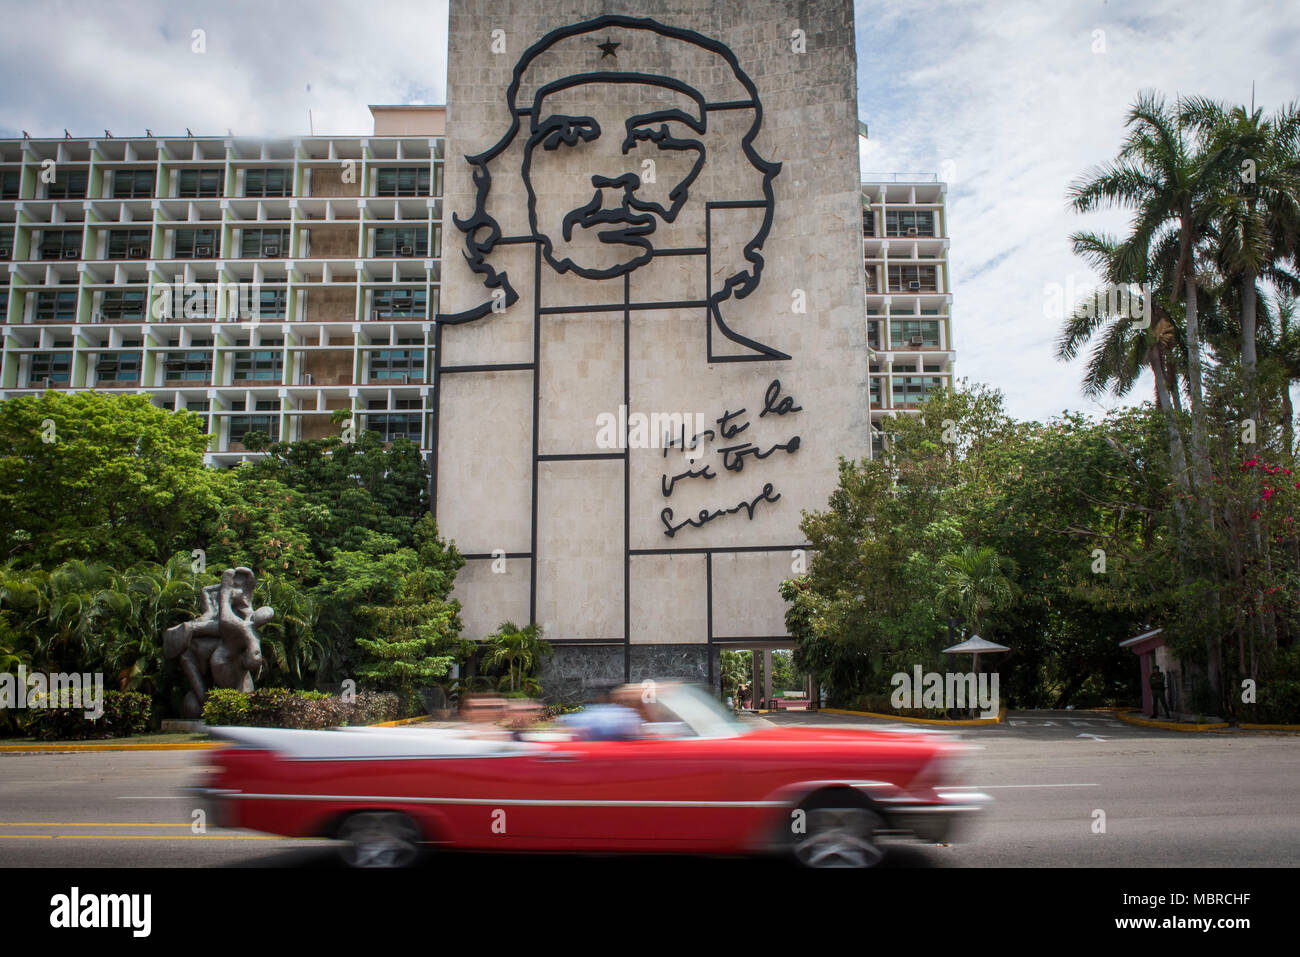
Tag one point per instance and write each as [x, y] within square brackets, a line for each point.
[125, 713]
[281, 708]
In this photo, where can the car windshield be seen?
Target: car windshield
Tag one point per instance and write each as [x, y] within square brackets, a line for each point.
[701, 714]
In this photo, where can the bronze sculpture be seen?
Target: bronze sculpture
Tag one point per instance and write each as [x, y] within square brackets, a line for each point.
[220, 648]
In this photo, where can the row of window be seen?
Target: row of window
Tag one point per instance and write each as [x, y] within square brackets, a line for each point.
[900, 222]
[130, 305]
[907, 390]
[906, 333]
[403, 425]
[256, 365]
[207, 183]
[205, 243]
[907, 278]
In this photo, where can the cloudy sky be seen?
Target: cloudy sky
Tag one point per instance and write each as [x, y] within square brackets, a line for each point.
[1010, 101]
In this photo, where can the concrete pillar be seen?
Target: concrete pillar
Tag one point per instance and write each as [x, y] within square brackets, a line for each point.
[754, 682]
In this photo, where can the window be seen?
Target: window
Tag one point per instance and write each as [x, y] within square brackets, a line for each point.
[913, 279]
[190, 366]
[402, 181]
[69, 184]
[133, 183]
[9, 184]
[264, 365]
[61, 244]
[259, 243]
[871, 276]
[401, 426]
[874, 338]
[875, 390]
[400, 302]
[405, 241]
[912, 389]
[122, 304]
[272, 303]
[868, 223]
[908, 222]
[128, 243]
[877, 444]
[60, 306]
[391, 364]
[268, 182]
[4, 303]
[199, 183]
[913, 333]
[241, 425]
[118, 367]
[55, 366]
[196, 244]
[200, 407]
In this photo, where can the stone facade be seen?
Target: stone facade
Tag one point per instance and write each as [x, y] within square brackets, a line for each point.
[670, 218]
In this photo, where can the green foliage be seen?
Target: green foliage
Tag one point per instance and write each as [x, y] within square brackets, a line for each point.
[282, 708]
[519, 650]
[415, 622]
[120, 481]
[125, 713]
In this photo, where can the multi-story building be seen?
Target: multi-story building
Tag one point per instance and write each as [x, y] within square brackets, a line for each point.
[909, 296]
[265, 284]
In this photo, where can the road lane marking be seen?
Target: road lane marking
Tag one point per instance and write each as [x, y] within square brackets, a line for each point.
[146, 837]
[84, 824]
[989, 787]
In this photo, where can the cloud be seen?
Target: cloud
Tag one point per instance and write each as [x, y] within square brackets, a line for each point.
[91, 66]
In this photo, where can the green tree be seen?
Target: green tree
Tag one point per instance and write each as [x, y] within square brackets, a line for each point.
[89, 475]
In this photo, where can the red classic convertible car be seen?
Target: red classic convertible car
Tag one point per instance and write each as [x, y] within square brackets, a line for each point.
[699, 782]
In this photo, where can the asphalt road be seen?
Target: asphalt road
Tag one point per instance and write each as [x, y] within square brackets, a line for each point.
[1169, 799]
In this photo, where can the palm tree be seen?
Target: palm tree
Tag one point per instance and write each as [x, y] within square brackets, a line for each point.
[977, 581]
[1255, 207]
[1163, 175]
[519, 649]
[1164, 179]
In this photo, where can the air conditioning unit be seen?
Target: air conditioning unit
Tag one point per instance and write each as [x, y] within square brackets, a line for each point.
[136, 252]
[47, 383]
[914, 285]
[72, 254]
[270, 250]
[916, 341]
[307, 379]
[406, 251]
[203, 252]
[5, 252]
[374, 314]
[911, 230]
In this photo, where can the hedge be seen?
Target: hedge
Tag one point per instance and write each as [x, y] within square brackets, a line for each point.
[282, 708]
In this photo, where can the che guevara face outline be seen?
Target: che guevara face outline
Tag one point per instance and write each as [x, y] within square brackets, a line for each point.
[589, 155]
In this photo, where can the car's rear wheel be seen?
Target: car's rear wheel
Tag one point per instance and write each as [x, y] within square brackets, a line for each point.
[379, 839]
[835, 831]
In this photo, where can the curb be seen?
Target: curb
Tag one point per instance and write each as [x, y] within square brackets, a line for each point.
[401, 721]
[1270, 727]
[944, 722]
[1128, 718]
[74, 746]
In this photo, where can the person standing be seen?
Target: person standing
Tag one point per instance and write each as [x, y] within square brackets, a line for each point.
[1157, 683]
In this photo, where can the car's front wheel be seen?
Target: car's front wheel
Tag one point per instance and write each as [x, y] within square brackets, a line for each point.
[379, 839]
[836, 833]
